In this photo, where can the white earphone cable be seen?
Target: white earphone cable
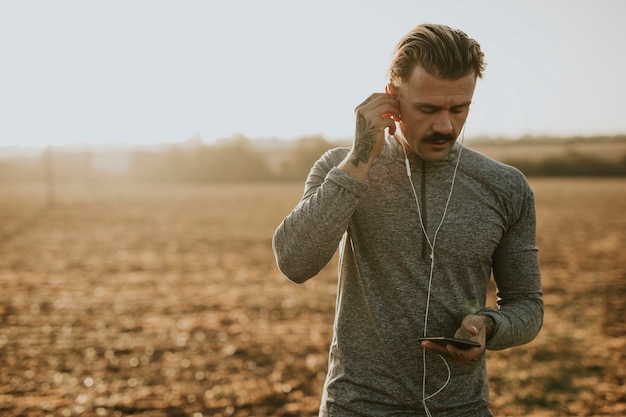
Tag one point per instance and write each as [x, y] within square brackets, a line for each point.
[432, 265]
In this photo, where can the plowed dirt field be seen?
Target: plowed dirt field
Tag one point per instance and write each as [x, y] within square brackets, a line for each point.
[163, 300]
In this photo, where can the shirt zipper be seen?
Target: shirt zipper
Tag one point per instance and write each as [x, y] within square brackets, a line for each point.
[425, 251]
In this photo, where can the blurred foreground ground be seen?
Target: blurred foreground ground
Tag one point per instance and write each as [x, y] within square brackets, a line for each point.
[122, 300]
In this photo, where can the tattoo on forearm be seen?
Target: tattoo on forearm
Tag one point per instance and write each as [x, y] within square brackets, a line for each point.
[364, 142]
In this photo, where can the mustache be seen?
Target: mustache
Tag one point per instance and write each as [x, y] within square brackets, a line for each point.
[436, 137]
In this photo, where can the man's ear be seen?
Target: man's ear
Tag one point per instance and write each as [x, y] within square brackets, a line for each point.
[391, 90]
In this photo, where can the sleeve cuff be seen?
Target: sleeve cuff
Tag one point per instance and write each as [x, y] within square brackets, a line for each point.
[491, 314]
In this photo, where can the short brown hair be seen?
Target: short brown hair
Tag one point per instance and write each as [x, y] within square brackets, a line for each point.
[440, 50]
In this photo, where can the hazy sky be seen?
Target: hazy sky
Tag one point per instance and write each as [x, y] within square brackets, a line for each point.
[146, 71]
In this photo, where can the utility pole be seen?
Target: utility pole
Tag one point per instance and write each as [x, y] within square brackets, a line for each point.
[48, 165]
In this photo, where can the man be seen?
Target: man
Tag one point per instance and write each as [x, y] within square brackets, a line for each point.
[421, 223]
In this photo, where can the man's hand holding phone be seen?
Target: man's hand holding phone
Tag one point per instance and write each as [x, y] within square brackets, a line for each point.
[467, 345]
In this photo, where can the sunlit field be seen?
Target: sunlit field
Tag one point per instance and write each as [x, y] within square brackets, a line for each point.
[164, 300]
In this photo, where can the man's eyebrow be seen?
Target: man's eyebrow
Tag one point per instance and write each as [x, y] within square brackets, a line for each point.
[430, 106]
[465, 104]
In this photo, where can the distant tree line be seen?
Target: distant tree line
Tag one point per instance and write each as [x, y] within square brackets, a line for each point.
[233, 160]
[240, 159]
[609, 161]
[570, 165]
[62, 165]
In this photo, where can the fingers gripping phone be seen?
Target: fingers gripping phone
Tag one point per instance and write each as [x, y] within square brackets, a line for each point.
[458, 343]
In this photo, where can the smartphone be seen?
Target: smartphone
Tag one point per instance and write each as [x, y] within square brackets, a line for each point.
[458, 343]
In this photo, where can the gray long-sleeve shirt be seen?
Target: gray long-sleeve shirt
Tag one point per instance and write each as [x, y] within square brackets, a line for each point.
[376, 364]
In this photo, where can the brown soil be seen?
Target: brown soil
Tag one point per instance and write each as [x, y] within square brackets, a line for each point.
[122, 300]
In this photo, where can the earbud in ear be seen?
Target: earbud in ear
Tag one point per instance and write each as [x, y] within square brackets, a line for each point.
[393, 92]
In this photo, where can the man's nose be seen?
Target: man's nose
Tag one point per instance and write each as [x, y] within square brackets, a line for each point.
[442, 123]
